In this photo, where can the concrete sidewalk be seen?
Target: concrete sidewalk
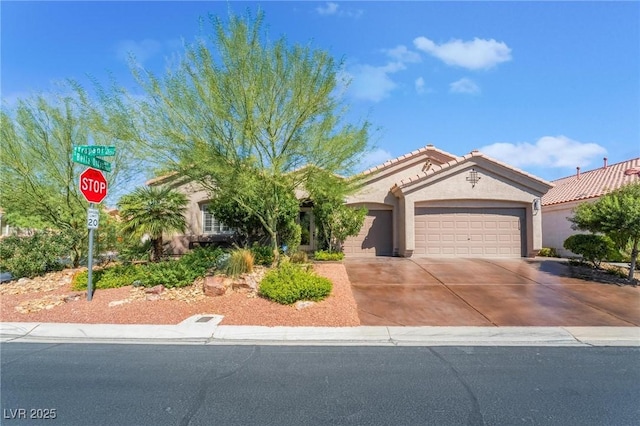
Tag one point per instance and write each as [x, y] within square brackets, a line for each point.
[205, 330]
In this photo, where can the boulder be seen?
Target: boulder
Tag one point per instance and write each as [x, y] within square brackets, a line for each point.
[155, 290]
[214, 286]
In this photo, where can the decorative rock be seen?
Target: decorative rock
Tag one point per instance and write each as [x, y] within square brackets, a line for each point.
[155, 290]
[153, 297]
[73, 297]
[117, 303]
[214, 286]
[303, 304]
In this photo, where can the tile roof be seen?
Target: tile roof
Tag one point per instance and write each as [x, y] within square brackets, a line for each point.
[592, 183]
[412, 154]
[437, 168]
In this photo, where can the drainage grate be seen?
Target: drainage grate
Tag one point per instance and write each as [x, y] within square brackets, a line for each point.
[204, 319]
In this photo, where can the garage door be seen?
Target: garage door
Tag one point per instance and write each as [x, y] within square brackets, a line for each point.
[375, 237]
[465, 232]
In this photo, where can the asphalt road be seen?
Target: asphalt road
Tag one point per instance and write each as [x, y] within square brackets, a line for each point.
[94, 384]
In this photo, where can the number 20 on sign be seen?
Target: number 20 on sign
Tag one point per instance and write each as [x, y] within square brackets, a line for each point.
[93, 217]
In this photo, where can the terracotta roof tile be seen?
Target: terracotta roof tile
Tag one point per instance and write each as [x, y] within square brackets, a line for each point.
[592, 183]
[412, 154]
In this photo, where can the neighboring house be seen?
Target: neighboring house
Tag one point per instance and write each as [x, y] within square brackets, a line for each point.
[559, 202]
[425, 203]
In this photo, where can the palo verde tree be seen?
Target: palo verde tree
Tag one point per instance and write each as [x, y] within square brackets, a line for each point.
[153, 211]
[334, 220]
[38, 180]
[616, 215]
[240, 112]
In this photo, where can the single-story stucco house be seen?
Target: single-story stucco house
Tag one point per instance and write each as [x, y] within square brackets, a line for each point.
[425, 203]
[568, 192]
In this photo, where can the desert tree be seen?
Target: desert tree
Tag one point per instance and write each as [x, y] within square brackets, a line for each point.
[616, 215]
[240, 112]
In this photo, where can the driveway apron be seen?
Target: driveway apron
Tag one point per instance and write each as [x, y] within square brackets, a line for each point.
[484, 292]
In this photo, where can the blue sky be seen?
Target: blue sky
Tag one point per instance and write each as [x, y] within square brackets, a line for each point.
[544, 86]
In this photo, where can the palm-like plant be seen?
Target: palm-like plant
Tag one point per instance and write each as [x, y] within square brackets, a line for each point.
[153, 211]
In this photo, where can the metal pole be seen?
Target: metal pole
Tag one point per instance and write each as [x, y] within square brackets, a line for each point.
[90, 263]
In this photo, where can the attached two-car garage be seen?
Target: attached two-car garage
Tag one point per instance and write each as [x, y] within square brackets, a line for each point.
[470, 232]
[446, 232]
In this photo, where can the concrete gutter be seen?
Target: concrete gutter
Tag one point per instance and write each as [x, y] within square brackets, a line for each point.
[205, 330]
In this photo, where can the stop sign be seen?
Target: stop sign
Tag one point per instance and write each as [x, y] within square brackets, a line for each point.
[93, 185]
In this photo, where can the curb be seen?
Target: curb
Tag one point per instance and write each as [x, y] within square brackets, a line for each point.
[205, 330]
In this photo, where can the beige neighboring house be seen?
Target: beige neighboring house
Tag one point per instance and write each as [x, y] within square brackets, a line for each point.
[427, 203]
[568, 192]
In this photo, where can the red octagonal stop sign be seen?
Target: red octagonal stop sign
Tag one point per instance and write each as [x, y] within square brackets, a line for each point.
[93, 185]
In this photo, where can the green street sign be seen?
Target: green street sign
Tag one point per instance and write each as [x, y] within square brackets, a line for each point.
[88, 160]
[95, 150]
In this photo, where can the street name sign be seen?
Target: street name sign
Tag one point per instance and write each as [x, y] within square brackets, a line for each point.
[88, 160]
[95, 150]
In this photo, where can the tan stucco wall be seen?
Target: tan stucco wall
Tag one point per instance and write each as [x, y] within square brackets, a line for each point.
[556, 227]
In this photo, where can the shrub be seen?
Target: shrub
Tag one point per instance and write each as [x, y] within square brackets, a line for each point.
[299, 257]
[548, 252]
[328, 255]
[35, 255]
[291, 283]
[593, 248]
[112, 277]
[262, 255]
[240, 262]
[202, 258]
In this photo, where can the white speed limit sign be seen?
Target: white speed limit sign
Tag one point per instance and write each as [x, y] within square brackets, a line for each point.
[93, 217]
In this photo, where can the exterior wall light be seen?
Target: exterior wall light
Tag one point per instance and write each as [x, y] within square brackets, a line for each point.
[536, 204]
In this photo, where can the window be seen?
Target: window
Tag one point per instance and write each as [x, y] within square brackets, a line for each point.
[210, 225]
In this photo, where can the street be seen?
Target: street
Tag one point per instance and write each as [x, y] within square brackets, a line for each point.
[99, 384]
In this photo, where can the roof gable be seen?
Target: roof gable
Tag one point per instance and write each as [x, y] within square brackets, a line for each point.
[508, 171]
[592, 183]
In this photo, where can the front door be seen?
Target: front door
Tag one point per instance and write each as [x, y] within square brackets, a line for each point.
[307, 238]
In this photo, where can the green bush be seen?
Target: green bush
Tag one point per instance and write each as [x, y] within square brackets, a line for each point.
[593, 248]
[328, 255]
[34, 255]
[170, 273]
[240, 262]
[548, 252]
[262, 255]
[299, 257]
[291, 283]
[112, 277]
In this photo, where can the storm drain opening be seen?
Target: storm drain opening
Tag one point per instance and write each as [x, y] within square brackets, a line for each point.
[204, 319]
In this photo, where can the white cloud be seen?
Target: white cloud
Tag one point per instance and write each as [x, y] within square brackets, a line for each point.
[373, 83]
[329, 9]
[374, 158]
[464, 85]
[476, 54]
[400, 53]
[141, 50]
[548, 151]
[332, 8]
[419, 84]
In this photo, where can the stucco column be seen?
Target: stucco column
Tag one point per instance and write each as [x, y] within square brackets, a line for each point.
[536, 235]
[408, 220]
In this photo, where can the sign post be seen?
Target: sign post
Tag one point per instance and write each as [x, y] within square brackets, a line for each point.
[93, 186]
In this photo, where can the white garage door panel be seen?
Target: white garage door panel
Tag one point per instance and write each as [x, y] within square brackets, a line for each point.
[485, 232]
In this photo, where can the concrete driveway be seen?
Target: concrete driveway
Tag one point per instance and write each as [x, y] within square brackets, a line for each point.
[485, 292]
